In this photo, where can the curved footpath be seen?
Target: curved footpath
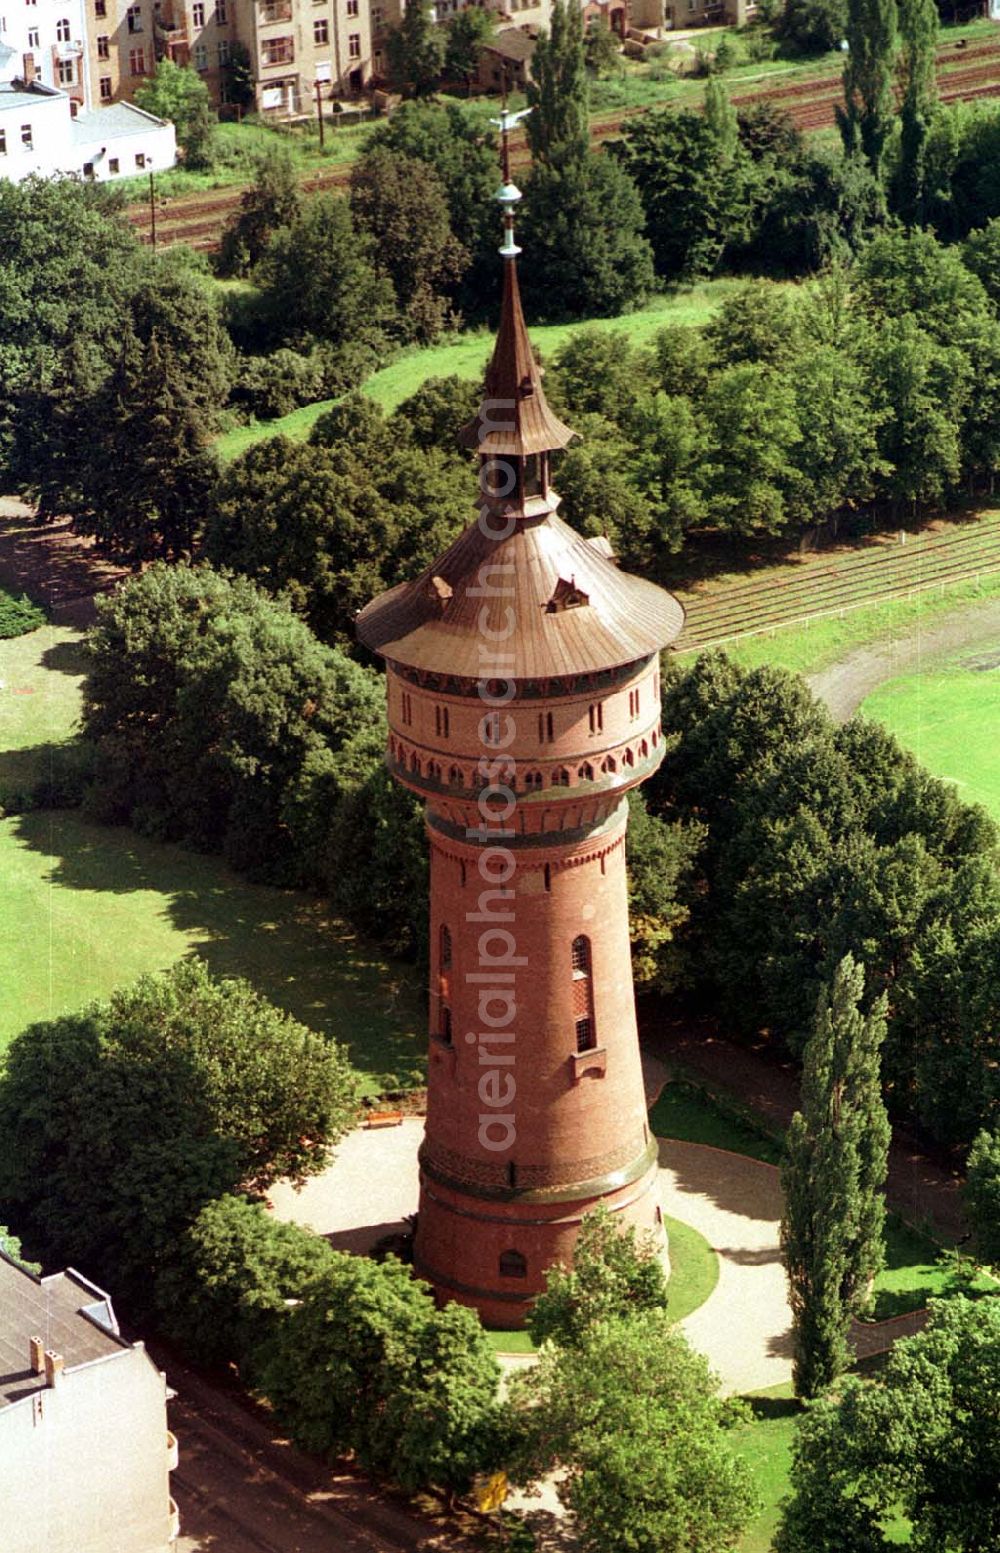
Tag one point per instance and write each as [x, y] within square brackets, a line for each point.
[845, 684]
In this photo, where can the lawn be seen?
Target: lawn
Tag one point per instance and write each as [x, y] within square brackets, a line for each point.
[691, 1115]
[950, 719]
[766, 1446]
[41, 675]
[87, 908]
[466, 355]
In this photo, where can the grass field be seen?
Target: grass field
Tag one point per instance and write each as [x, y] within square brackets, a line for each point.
[950, 719]
[766, 1446]
[41, 675]
[466, 355]
[86, 908]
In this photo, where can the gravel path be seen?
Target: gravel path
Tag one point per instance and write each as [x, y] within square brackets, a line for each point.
[845, 684]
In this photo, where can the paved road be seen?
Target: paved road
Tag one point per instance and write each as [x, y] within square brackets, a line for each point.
[242, 1488]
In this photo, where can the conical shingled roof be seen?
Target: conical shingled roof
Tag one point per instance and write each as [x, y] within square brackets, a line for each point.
[573, 611]
[520, 421]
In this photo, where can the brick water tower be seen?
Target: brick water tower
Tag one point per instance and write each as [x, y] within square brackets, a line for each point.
[524, 703]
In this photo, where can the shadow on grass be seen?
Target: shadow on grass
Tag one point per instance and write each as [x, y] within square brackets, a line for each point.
[284, 942]
[66, 658]
[774, 1407]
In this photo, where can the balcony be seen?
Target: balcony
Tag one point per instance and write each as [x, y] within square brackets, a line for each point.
[69, 49]
[173, 1454]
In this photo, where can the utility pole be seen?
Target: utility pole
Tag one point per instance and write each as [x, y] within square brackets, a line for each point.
[319, 110]
[152, 211]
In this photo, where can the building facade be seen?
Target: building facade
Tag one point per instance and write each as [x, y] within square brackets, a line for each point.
[85, 1453]
[523, 699]
[47, 40]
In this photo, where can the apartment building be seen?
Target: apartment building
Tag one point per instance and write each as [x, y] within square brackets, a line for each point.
[85, 1453]
[46, 40]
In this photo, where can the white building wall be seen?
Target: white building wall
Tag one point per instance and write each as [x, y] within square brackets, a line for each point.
[34, 134]
[84, 1463]
[51, 35]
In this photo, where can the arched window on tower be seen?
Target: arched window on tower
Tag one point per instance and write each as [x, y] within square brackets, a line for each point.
[610, 766]
[583, 995]
[513, 1265]
[455, 776]
[533, 782]
[586, 773]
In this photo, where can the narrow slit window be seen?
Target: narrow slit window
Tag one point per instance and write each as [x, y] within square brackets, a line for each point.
[445, 948]
[585, 1037]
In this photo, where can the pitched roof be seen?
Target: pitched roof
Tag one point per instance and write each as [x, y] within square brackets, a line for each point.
[512, 43]
[574, 612]
[514, 418]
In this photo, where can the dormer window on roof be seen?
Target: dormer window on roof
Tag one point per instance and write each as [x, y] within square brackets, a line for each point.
[566, 596]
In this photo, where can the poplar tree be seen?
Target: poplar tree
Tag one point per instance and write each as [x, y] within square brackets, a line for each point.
[918, 27]
[866, 118]
[834, 1170]
[558, 92]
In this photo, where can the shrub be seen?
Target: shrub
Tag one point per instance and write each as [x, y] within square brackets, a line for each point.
[18, 616]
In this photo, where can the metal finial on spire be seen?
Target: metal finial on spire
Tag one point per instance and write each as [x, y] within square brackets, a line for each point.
[508, 194]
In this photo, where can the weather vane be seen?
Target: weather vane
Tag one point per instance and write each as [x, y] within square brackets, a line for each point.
[508, 194]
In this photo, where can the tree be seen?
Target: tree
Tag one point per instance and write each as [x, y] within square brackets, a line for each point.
[468, 32]
[178, 93]
[919, 1442]
[661, 867]
[272, 201]
[434, 415]
[205, 698]
[330, 524]
[866, 118]
[982, 1194]
[696, 191]
[630, 1420]
[451, 140]
[919, 389]
[583, 227]
[836, 1154]
[237, 77]
[415, 51]
[602, 48]
[119, 1123]
[366, 1363]
[399, 204]
[615, 1273]
[319, 281]
[557, 91]
[753, 437]
[813, 26]
[226, 1286]
[144, 481]
[918, 27]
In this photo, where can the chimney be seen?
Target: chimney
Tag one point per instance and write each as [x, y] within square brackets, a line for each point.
[36, 1349]
[29, 69]
[53, 1367]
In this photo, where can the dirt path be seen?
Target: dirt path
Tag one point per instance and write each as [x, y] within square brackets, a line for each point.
[844, 685]
[55, 567]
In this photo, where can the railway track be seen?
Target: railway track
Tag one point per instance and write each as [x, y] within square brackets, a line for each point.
[965, 74]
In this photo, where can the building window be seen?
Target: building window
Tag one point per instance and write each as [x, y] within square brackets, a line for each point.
[560, 778]
[321, 30]
[220, 13]
[445, 949]
[198, 13]
[445, 1026]
[140, 159]
[136, 62]
[441, 721]
[223, 52]
[352, 7]
[407, 708]
[354, 45]
[533, 781]
[277, 51]
[105, 88]
[113, 165]
[585, 1037]
[133, 17]
[103, 46]
[26, 137]
[581, 956]
[67, 72]
[546, 728]
[513, 1265]
[88, 169]
[33, 37]
[200, 56]
[633, 703]
[596, 716]
[62, 30]
[3, 142]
